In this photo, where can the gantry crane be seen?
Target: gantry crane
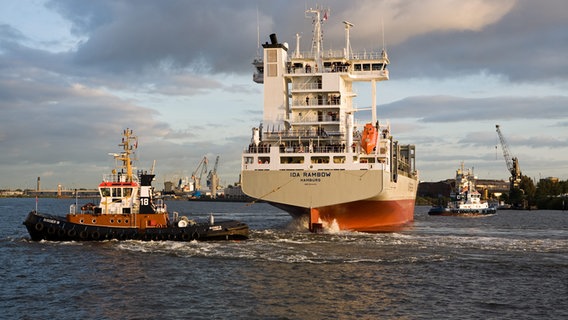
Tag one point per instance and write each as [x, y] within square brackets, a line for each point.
[512, 162]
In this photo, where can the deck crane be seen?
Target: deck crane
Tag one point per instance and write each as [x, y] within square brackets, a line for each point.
[512, 162]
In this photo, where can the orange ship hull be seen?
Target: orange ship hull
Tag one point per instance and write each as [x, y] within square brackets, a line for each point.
[364, 215]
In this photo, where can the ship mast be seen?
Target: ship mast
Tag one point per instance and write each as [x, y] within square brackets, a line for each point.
[317, 41]
[348, 25]
[129, 144]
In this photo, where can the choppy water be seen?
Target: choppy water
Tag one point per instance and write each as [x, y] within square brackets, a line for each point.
[513, 265]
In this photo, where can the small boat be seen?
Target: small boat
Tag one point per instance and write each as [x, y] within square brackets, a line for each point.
[129, 209]
[465, 199]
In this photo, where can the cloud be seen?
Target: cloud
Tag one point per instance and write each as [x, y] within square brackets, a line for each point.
[526, 45]
[438, 109]
[403, 20]
[177, 70]
[11, 34]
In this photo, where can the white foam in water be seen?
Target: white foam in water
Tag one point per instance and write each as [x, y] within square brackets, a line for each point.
[299, 224]
[332, 227]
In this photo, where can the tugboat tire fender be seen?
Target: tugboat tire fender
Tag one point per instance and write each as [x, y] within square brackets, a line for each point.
[95, 235]
[61, 232]
[38, 226]
[51, 230]
[185, 236]
[72, 233]
[83, 234]
[195, 235]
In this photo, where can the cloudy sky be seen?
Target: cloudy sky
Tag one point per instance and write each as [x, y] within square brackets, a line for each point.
[74, 74]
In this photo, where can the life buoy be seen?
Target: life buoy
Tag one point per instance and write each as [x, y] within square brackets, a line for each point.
[72, 233]
[38, 226]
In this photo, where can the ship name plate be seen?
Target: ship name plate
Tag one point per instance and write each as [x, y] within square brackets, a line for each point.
[310, 177]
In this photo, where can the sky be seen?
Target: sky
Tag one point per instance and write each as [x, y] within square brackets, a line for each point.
[74, 74]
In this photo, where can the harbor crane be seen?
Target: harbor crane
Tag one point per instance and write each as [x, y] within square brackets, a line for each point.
[213, 179]
[512, 162]
[201, 169]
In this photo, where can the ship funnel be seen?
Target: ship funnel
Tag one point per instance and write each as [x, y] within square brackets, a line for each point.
[273, 38]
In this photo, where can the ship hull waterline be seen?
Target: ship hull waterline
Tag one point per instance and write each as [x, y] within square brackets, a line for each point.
[437, 211]
[363, 216]
[363, 200]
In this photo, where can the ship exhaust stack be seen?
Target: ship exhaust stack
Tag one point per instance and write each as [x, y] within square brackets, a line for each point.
[273, 38]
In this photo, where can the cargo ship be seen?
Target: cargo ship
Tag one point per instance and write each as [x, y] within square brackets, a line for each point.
[310, 156]
[129, 209]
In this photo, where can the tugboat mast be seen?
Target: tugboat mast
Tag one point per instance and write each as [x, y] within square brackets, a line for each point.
[128, 148]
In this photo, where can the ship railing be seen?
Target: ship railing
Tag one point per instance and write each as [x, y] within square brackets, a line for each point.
[329, 101]
[292, 69]
[313, 149]
[300, 134]
[375, 69]
[160, 206]
[313, 161]
[118, 177]
[306, 86]
[339, 55]
[314, 117]
[263, 149]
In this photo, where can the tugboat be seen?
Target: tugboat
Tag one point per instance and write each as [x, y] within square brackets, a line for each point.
[466, 200]
[128, 210]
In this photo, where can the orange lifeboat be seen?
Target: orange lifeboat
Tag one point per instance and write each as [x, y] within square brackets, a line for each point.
[369, 138]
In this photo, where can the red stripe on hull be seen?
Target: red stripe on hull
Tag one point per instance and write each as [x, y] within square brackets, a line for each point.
[369, 216]
[365, 216]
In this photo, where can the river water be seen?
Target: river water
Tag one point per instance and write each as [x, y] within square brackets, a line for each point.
[512, 265]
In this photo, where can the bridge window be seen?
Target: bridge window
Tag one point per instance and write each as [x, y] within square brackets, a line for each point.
[339, 159]
[320, 159]
[105, 192]
[263, 159]
[294, 160]
[127, 192]
[377, 66]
